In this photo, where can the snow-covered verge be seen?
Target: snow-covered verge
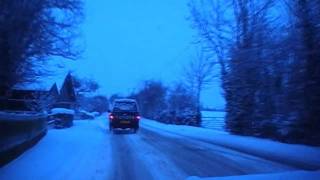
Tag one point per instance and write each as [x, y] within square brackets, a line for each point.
[295, 175]
[80, 152]
[299, 156]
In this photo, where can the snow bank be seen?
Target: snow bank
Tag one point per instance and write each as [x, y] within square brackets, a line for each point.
[87, 113]
[55, 111]
[299, 156]
[295, 175]
[80, 153]
[20, 115]
[96, 114]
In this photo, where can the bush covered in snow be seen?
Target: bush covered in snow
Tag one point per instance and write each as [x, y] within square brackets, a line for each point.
[62, 117]
[175, 105]
[181, 108]
[56, 111]
[82, 114]
[185, 117]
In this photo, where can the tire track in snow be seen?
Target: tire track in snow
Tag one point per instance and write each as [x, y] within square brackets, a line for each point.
[126, 164]
[197, 158]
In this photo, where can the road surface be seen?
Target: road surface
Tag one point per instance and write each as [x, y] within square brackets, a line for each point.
[89, 151]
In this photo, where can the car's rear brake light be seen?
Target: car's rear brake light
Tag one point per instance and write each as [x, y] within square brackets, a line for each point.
[111, 117]
[138, 117]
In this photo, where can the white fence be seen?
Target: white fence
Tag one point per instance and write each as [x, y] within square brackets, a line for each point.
[213, 120]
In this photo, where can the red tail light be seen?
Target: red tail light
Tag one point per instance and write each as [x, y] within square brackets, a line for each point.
[138, 117]
[111, 117]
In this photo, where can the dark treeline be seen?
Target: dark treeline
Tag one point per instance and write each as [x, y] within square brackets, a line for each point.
[174, 105]
[269, 56]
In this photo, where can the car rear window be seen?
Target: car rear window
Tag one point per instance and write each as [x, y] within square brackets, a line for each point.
[124, 106]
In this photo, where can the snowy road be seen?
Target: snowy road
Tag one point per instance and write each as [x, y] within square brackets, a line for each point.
[89, 151]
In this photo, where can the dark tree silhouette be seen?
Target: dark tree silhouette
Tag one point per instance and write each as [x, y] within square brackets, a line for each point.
[33, 31]
[199, 74]
[151, 98]
[67, 92]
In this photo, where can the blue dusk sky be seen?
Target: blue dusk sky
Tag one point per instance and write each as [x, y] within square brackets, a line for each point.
[129, 41]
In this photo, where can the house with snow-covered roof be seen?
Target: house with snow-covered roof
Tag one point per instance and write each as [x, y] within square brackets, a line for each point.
[31, 97]
[67, 96]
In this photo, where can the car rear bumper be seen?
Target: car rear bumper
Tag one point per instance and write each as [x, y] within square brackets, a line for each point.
[124, 124]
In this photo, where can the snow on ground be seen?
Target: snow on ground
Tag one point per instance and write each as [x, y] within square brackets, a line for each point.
[88, 151]
[144, 160]
[79, 152]
[300, 156]
[296, 175]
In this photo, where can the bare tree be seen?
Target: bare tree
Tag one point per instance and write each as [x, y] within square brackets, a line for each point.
[181, 106]
[270, 67]
[199, 74]
[234, 32]
[32, 31]
[215, 29]
[85, 85]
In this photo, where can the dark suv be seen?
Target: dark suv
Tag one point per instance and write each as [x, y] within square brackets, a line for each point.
[124, 114]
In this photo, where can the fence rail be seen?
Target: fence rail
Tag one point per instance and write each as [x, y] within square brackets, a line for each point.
[216, 123]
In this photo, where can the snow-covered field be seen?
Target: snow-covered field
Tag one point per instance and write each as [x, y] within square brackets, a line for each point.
[88, 151]
[213, 113]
